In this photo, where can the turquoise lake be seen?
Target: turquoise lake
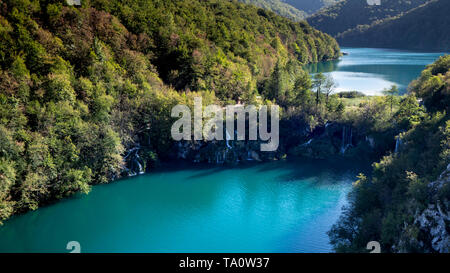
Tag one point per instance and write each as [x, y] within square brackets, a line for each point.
[282, 206]
[370, 70]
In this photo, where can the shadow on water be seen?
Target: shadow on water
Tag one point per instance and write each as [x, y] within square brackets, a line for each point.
[323, 67]
[286, 205]
[298, 168]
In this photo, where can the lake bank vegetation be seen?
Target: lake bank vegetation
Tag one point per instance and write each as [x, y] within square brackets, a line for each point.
[404, 204]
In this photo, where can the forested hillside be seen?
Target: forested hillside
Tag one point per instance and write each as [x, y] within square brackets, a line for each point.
[296, 10]
[279, 7]
[81, 86]
[349, 14]
[195, 41]
[405, 203]
[425, 27]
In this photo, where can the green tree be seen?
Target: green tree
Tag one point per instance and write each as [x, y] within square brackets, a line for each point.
[391, 96]
[329, 87]
[318, 84]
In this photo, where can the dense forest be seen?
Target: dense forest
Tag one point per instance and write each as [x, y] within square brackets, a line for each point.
[80, 86]
[279, 7]
[296, 10]
[349, 14]
[425, 27]
[404, 204]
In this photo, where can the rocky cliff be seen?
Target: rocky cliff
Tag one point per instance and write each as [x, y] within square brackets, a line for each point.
[432, 224]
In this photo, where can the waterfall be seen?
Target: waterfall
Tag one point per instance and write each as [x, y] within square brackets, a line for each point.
[141, 171]
[131, 151]
[347, 139]
[307, 143]
[249, 156]
[221, 156]
[398, 144]
[343, 141]
[228, 137]
[371, 141]
[136, 161]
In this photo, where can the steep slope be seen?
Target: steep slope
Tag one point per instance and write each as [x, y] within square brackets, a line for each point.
[296, 10]
[279, 7]
[196, 32]
[348, 14]
[425, 27]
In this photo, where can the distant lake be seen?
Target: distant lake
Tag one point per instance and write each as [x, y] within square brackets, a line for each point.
[370, 70]
[283, 206]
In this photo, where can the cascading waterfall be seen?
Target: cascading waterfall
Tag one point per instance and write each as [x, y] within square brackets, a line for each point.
[219, 159]
[221, 156]
[307, 143]
[398, 144]
[136, 161]
[249, 156]
[228, 137]
[131, 151]
[347, 139]
[371, 141]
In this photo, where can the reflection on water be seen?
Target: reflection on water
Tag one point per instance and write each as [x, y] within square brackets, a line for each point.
[323, 67]
[370, 70]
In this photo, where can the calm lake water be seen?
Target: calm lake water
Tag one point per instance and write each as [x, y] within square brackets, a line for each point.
[283, 206]
[370, 70]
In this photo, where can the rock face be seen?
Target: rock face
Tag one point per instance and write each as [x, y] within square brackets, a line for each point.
[292, 133]
[334, 139]
[133, 163]
[435, 220]
[323, 141]
[297, 138]
[221, 152]
[432, 225]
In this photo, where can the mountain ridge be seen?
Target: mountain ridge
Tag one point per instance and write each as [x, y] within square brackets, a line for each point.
[348, 14]
[279, 7]
[421, 28]
[293, 9]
